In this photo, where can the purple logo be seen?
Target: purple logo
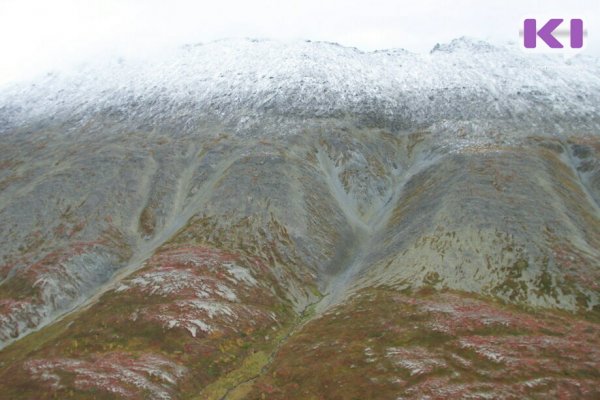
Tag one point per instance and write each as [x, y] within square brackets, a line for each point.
[548, 30]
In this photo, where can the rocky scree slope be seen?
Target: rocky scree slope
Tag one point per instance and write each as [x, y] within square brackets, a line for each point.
[207, 224]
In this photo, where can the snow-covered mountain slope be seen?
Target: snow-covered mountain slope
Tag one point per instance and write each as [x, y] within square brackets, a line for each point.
[243, 81]
[246, 219]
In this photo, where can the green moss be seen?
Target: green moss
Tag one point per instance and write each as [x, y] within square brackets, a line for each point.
[18, 288]
[249, 369]
[429, 338]
[544, 285]
[518, 267]
[147, 222]
[432, 278]
[512, 286]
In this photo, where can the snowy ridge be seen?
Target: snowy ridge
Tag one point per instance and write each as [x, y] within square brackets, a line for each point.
[234, 80]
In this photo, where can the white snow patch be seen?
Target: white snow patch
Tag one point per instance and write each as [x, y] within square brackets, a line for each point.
[240, 274]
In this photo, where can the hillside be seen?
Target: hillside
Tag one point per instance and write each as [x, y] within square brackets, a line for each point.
[255, 219]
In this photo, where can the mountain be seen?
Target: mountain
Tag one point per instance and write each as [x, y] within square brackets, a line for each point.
[256, 219]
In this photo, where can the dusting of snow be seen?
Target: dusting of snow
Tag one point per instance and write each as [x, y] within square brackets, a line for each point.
[192, 314]
[485, 350]
[533, 383]
[196, 324]
[370, 354]
[240, 274]
[212, 308]
[114, 372]
[416, 360]
[165, 282]
[465, 82]
[225, 292]
[57, 289]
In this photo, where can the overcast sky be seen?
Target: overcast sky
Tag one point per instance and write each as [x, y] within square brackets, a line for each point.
[38, 35]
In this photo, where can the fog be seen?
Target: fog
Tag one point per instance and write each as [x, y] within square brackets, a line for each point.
[37, 36]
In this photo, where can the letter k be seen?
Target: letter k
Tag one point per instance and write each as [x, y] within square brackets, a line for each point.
[545, 33]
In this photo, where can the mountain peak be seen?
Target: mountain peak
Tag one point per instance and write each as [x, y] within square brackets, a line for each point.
[244, 79]
[465, 43]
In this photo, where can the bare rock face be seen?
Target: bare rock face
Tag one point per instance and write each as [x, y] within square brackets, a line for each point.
[251, 219]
